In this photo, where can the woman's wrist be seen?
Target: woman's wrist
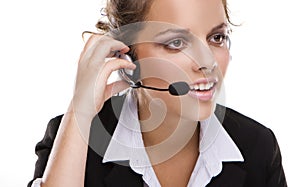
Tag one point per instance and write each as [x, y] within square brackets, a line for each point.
[80, 118]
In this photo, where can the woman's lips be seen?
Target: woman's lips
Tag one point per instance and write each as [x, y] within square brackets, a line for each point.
[203, 89]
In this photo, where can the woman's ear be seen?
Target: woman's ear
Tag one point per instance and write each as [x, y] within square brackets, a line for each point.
[136, 72]
[136, 75]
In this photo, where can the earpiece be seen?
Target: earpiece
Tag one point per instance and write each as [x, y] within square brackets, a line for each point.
[125, 57]
[131, 76]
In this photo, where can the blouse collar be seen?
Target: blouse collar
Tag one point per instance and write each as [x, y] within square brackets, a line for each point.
[215, 146]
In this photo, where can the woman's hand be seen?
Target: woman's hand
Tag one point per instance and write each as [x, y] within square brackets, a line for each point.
[91, 89]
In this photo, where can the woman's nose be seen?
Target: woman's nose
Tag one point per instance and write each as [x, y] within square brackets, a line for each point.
[203, 58]
[205, 69]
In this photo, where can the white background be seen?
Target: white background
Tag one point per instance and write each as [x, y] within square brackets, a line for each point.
[40, 42]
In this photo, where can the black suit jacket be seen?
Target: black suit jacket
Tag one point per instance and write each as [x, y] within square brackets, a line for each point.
[262, 166]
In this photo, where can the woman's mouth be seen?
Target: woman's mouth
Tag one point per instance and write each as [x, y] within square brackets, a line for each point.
[203, 89]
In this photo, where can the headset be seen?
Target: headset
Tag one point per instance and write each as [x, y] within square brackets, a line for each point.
[131, 77]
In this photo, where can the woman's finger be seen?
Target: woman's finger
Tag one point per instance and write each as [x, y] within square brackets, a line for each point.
[114, 88]
[100, 47]
[102, 91]
[116, 64]
[91, 89]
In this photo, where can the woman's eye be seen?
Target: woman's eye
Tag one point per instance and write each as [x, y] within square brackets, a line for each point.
[176, 44]
[219, 39]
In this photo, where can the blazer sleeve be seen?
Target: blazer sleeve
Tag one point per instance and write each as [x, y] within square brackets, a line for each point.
[43, 148]
[276, 176]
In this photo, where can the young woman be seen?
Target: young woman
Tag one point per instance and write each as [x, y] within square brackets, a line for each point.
[152, 137]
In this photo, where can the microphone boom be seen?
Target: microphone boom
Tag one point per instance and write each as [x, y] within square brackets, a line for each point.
[176, 88]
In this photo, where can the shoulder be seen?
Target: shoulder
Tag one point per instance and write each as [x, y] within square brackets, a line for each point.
[108, 115]
[256, 142]
[234, 120]
[259, 147]
[237, 123]
[242, 129]
[262, 164]
[246, 132]
[50, 134]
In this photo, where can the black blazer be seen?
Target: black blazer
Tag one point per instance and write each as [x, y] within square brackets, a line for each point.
[262, 166]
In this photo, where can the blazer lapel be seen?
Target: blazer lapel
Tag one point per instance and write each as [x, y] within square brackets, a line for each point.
[122, 175]
[232, 175]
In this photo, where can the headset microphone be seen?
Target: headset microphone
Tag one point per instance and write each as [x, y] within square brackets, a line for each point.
[176, 88]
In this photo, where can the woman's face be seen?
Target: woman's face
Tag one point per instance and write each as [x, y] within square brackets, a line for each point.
[184, 41]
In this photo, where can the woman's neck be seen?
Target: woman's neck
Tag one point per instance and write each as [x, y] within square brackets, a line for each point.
[169, 136]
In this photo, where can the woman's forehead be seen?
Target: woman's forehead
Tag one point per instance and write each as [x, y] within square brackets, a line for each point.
[194, 15]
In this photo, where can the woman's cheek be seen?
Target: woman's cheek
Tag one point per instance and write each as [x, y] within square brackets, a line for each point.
[168, 68]
[223, 58]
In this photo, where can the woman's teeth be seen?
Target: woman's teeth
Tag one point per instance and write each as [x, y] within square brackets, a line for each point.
[202, 86]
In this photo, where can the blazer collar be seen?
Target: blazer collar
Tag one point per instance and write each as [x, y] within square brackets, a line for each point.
[231, 175]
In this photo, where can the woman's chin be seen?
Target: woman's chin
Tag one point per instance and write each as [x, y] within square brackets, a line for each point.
[202, 112]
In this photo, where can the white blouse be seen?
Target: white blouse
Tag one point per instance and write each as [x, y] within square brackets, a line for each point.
[215, 147]
[127, 144]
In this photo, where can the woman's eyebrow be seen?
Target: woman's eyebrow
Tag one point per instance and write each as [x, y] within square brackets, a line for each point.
[187, 31]
[172, 30]
[221, 26]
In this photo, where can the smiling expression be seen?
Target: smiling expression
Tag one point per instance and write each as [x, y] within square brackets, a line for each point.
[184, 41]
